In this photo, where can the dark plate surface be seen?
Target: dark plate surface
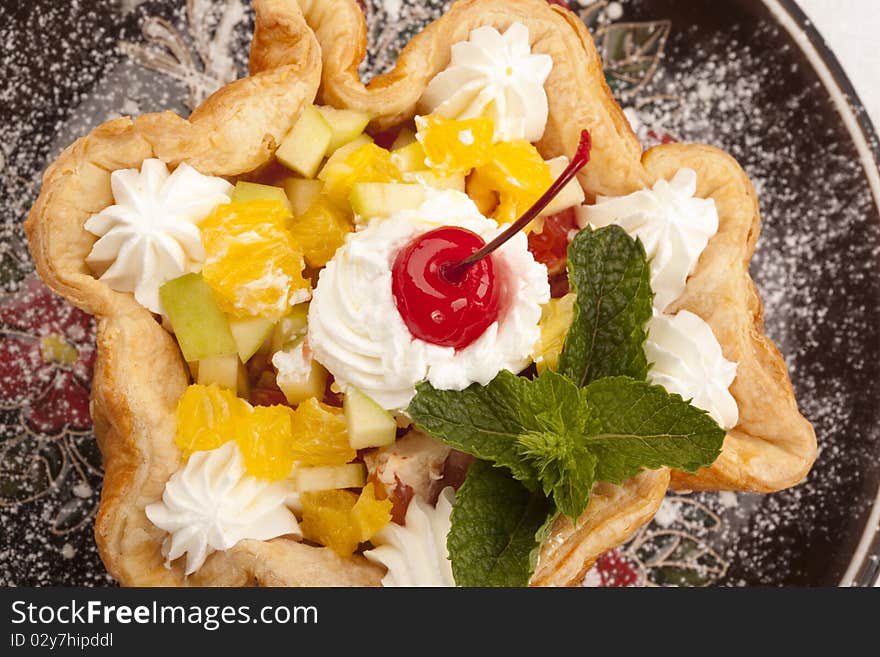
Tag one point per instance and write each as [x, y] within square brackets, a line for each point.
[727, 74]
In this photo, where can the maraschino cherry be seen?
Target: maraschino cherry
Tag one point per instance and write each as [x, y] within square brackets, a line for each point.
[446, 290]
[437, 308]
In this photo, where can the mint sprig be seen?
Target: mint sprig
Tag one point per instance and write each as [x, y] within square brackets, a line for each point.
[548, 432]
[611, 277]
[495, 522]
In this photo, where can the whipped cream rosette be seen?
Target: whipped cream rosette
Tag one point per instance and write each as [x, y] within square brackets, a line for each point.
[356, 331]
[151, 235]
[497, 76]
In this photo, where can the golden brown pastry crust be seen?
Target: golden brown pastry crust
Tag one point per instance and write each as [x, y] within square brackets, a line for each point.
[140, 373]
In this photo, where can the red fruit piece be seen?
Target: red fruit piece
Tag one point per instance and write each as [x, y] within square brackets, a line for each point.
[550, 246]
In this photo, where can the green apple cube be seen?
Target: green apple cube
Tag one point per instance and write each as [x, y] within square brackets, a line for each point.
[245, 192]
[570, 195]
[345, 125]
[368, 424]
[219, 370]
[291, 328]
[404, 138]
[302, 194]
[298, 389]
[410, 158]
[370, 200]
[453, 181]
[329, 477]
[336, 162]
[200, 326]
[250, 334]
[304, 147]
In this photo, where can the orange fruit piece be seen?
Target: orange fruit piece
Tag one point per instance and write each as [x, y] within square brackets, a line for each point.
[326, 519]
[517, 173]
[204, 417]
[320, 231]
[266, 442]
[369, 163]
[341, 520]
[455, 146]
[369, 513]
[209, 416]
[251, 259]
[319, 435]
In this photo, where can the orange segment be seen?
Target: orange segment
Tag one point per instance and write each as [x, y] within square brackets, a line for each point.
[204, 417]
[517, 173]
[326, 519]
[369, 513]
[341, 520]
[319, 436]
[251, 259]
[455, 146]
[209, 416]
[369, 163]
[265, 440]
[320, 231]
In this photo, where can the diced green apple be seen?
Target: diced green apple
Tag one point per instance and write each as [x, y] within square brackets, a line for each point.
[245, 192]
[302, 193]
[410, 157]
[298, 389]
[404, 138]
[304, 147]
[570, 195]
[299, 376]
[329, 477]
[249, 334]
[384, 199]
[369, 425]
[345, 125]
[219, 370]
[291, 328]
[431, 179]
[200, 326]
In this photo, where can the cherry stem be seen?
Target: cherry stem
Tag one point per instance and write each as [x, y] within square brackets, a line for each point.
[455, 270]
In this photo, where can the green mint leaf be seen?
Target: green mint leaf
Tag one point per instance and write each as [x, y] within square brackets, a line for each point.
[483, 421]
[495, 524]
[633, 425]
[610, 274]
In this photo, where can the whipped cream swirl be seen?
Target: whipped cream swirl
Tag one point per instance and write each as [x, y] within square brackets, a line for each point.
[687, 359]
[151, 234]
[356, 331]
[212, 504]
[495, 76]
[673, 225]
[415, 554]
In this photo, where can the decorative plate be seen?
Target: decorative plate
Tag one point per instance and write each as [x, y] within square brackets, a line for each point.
[750, 76]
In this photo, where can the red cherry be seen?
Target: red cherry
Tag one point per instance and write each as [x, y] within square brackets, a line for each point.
[450, 310]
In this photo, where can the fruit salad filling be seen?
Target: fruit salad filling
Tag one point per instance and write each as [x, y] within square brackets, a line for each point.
[348, 373]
